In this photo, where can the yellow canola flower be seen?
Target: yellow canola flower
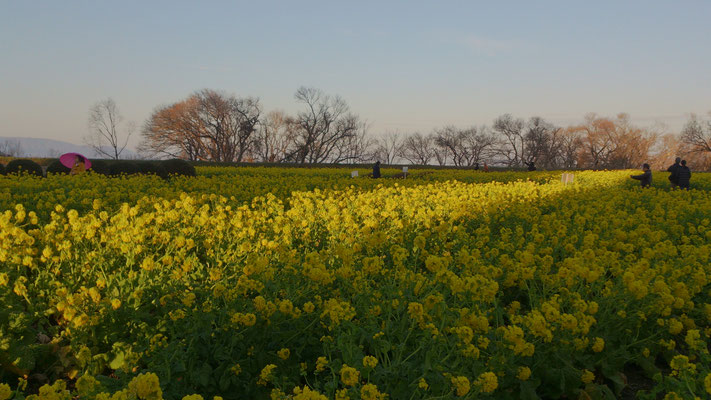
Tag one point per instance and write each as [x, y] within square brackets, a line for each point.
[146, 387]
[523, 373]
[321, 364]
[188, 299]
[306, 393]
[370, 362]
[488, 382]
[370, 392]
[446, 247]
[266, 374]
[5, 391]
[56, 391]
[673, 396]
[598, 345]
[86, 385]
[461, 385]
[694, 341]
[680, 363]
[349, 375]
[284, 353]
[587, 376]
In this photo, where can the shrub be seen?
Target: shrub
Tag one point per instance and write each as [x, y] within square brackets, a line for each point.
[124, 168]
[56, 167]
[153, 168]
[100, 167]
[2, 169]
[23, 165]
[178, 167]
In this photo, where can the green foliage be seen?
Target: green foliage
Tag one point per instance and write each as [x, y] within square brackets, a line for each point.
[123, 167]
[56, 167]
[100, 167]
[153, 168]
[22, 165]
[178, 167]
[203, 284]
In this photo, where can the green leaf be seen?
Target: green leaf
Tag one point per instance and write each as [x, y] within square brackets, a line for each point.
[118, 361]
[202, 375]
[619, 381]
[225, 380]
[647, 366]
[528, 391]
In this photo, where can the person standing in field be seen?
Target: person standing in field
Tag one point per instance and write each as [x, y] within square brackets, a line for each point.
[376, 170]
[646, 177]
[673, 169]
[683, 175]
[79, 166]
[486, 167]
[531, 165]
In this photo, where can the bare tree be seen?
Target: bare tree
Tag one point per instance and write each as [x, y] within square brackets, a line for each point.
[324, 123]
[597, 141]
[449, 142]
[696, 134]
[570, 145]
[463, 147]
[512, 143]
[276, 133]
[359, 147]
[542, 142]
[612, 143]
[208, 125]
[632, 145]
[417, 149]
[174, 131]
[478, 144]
[388, 147]
[11, 148]
[104, 136]
[667, 147]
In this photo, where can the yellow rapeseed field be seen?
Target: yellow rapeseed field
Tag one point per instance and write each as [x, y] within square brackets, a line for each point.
[307, 284]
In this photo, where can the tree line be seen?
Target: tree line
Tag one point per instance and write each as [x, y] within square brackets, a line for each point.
[210, 125]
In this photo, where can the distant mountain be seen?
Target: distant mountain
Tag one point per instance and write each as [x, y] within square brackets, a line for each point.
[49, 148]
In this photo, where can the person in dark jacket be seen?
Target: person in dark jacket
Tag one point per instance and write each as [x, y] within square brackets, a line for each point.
[646, 177]
[376, 170]
[673, 169]
[531, 165]
[683, 175]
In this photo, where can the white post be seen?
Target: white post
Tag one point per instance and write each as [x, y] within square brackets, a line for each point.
[567, 178]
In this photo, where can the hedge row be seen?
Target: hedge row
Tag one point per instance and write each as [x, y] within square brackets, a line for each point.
[164, 168]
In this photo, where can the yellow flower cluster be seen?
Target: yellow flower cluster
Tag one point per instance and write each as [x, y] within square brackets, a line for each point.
[349, 375]
[240, 279]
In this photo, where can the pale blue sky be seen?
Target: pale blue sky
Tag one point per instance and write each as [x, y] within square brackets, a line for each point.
[402, 65]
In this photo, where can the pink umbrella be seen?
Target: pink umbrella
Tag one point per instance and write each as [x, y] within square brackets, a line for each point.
[68, 160]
